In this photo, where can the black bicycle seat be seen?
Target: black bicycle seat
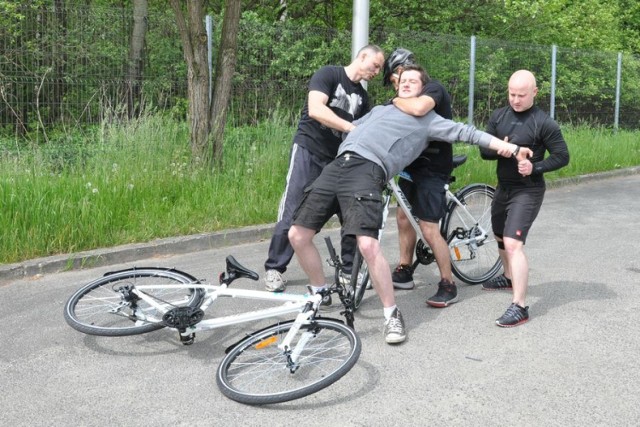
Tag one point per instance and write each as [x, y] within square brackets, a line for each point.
[234, 268]
[459, 160]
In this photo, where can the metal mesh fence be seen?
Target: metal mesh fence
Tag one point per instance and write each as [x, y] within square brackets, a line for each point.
[69, 68]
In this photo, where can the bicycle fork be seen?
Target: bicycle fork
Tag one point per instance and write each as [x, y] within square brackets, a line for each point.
[293, 354]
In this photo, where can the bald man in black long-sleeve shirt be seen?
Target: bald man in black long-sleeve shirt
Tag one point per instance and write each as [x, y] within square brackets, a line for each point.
[521, 185]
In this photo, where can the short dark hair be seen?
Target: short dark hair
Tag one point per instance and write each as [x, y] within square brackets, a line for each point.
[424, 77]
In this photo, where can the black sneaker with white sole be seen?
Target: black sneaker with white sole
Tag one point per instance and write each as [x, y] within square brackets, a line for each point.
[402, 277]
[447, 294]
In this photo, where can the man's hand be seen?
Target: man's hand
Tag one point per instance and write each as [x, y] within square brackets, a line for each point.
[525, 167]
[524, 154]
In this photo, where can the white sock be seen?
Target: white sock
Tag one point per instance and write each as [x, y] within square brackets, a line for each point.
[388, 311]
[316, 289]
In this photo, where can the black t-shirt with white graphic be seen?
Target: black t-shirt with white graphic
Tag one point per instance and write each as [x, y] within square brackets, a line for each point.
[348, 100]
[439, 154]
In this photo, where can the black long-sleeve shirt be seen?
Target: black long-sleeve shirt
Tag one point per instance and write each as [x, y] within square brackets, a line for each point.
[533, 129]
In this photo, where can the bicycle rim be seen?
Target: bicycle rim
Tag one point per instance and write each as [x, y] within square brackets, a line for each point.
[474, 252]
[255, 371]
[100, 308]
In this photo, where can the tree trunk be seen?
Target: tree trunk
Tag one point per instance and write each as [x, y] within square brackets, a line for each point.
[136, 57]
[194, 45]
[225, 68]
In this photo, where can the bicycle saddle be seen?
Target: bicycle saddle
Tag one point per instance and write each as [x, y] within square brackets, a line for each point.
[459, 160]
[234, 268]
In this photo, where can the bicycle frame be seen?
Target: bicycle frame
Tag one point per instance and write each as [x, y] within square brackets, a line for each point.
[306, 305]
[454, 241]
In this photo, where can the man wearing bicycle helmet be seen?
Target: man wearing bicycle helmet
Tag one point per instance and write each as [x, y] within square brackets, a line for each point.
[335, 99]
[426, 192]
[521, 186]
[384, 142]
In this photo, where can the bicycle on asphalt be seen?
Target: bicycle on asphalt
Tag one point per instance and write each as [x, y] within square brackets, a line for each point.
[288, 360]
[466, 227]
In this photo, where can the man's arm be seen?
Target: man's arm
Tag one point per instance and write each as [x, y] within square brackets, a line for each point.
[319, 111]
[415, 106]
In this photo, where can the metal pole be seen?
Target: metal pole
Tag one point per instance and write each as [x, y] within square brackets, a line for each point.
[360, 28]
[552, 102]
[472, 73]
[618, 85]
[209, 25]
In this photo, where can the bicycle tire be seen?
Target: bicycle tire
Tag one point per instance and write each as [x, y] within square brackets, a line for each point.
[99, 308]
[359, 279]
[255, 370]
[478, 260]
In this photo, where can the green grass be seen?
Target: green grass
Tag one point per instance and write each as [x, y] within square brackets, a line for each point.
[137, 182]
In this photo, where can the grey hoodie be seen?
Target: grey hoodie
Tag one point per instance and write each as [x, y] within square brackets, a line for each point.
[393, 139]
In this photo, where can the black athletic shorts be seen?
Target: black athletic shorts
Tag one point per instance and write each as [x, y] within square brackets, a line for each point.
[426, 194]
[513, 210]
[355, 186]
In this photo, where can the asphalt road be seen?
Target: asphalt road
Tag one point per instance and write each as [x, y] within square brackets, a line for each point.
[575, 363]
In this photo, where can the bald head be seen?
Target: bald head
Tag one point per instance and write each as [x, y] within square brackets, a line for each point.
[522, 90]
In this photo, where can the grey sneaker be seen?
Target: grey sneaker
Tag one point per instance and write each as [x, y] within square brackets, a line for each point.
[514, 316]
[447, 294]
[497, 283]
[394, 332]
[273, 281]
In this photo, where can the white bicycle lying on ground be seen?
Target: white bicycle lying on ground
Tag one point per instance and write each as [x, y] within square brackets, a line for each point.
[285, 361]
[466, 227]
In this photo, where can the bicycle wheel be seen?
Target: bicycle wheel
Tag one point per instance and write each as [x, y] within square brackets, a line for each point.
[474, 252]
[107, 306]
[359, 279]
[256, 372]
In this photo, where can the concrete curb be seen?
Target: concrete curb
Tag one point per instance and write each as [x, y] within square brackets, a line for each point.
[193, 243]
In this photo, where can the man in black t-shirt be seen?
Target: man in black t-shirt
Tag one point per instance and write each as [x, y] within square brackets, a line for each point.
[336, 98]
[426, 192]
[521, 186]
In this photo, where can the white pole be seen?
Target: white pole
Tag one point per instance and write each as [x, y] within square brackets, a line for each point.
[618, 84]
[360, 28]
[472, 76]
[209, 25]
[552, 102]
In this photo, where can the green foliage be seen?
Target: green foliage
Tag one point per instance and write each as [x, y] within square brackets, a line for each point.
[136, 182]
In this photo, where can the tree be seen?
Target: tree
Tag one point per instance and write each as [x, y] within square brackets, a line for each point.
[207, 120]
[136, 57]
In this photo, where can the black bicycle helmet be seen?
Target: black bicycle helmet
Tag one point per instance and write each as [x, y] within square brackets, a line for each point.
[397, 58]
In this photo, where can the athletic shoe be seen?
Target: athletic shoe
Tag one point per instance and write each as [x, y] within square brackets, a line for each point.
[514, 316]
[273, 281]
[403, 277]
[497, 283]
[447, 294]
[394, 332]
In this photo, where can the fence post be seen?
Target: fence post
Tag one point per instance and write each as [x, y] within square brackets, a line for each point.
[552, 101]
[209, 25]
[616, 115]
[472, 73]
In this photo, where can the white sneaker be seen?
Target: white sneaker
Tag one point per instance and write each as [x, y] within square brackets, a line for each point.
[273, 281]
[394, 332]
